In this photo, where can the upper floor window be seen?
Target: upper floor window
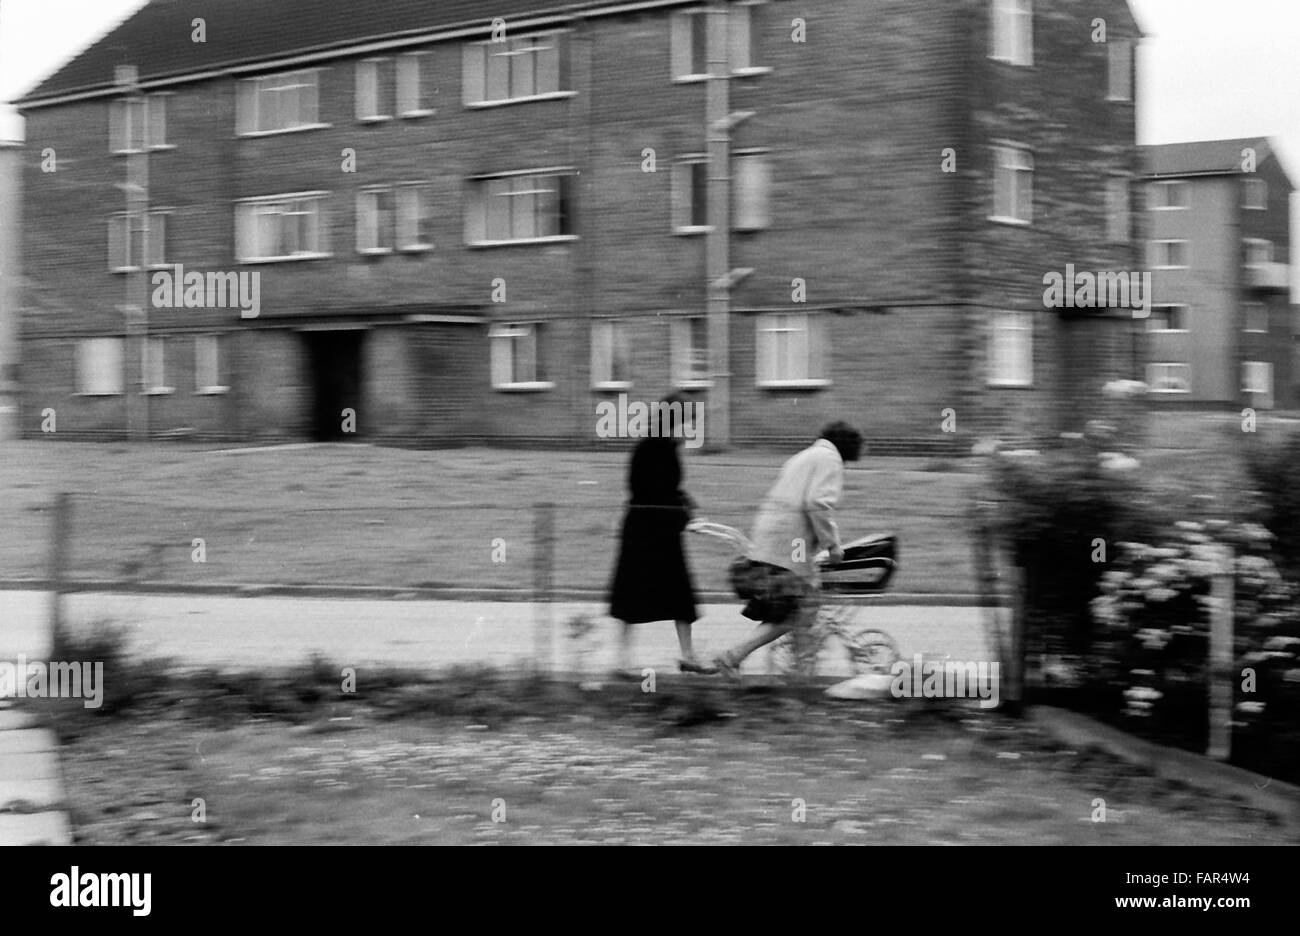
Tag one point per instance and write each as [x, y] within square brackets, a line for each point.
[276, 103]
[1118, 220]
[137, 124]
[791, 350]
[99, 367]
[1258, 251]
[1013, 31]
[1120, 80]
[1257, 318]
[505, 70]
[410, 93]
[1169, 255]
[1013, 185]
[280, 227]
[376, 220]
[1011, 349]
[751, 184]
[691, 194]
[375, 82]
[1171, 195]
[689, 340]
[519, 207]
[394, 218]
[515, 357]
[1254, 194]
[137, 240]
[611, 357]
[690, 41]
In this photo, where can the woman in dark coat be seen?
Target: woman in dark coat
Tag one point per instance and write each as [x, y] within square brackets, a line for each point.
[651, 580]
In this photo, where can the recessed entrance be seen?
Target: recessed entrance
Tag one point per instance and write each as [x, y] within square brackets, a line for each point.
[334, 369]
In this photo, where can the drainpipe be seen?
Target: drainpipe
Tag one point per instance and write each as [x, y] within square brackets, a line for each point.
[718, 239]
[136, 305]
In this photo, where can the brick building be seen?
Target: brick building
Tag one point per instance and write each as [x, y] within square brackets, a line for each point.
[1222, 330]
[459, 237]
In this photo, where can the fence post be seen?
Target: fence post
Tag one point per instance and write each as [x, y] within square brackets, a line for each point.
[1220, 668]
[60, 541]
[543, 567]
[1014, 695]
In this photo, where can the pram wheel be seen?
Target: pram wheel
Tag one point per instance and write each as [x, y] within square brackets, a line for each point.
[838, 629]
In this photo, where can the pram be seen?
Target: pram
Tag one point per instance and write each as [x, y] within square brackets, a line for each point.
[846, 587]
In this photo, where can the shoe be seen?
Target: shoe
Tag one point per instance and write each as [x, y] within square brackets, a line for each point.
[727, 667]
[691, 666]
[624, 675]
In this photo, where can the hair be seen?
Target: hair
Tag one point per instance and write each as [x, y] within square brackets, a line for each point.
[671, 411]
[846, 439]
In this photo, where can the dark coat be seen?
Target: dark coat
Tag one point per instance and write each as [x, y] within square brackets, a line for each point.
[651, 580]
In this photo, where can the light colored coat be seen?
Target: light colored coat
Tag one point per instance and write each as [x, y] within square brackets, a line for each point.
[797, 517]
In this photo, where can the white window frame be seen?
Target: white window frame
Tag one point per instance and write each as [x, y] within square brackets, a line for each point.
[793, 367]
[1250, 382]
[1119, 70]
[372, 229]
[609, 339]
[1013, 165]
[1011, 32]
[516, 185]
[504, 338]
[1154, 384]
[683, 194]
[1254, 184]
[1119, 210]
[152, 234]
[477, 68]
[742, 38]
[1167, 261]
[751, 191]
[1168, 186]
[1248, 244]
[1184, 316]
[369, 84]
[153, 366]
[1011, 364]
[684, 28]
[247, 211]
[1246, 322]
[688, 360]
[147, 110]
[96, 377]
[413, 202]
[207, 363]
[251, 101]
[409, 78]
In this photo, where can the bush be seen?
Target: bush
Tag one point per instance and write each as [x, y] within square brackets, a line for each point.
[1274, 473]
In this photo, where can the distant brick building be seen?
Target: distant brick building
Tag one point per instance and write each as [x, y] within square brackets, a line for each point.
[1222, 332]
[10, 214]
[459, 238]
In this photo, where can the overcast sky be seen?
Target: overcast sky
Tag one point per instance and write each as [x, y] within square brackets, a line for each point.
[1209, 68]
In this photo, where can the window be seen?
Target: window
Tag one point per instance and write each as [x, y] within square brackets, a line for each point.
[1169, 378]
[1011, 349]
[1118, 221]
[153, 365]
[1013, 185]
[374, 77]
[791, 350]
[207, 365]
[1256, 318]
[610, 358]
[1170, 317]
[1258, 252]
[1169, 255]
[376, 220]
[751, 182]
[690, 45]
[691, 194]
[689, 338]
[514, 69]
[410, 100]
[1120, 82]
[99, 366]
[137, 124]
[282, 227]
[1171, 196]
[277, 103]
[414, 217]
[137, 239]
[741, 23]
[521, 207]
[1254, 194]
[1013, 31]
[515, 360]
[1257, 377]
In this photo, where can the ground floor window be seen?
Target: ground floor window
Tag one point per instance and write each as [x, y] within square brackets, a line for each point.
[791, 350]
[153, 365]
[99, 366]
[1168, 377]
[690, 351]
[516, 361]
[1011, 349]
[611, 357]
[208, 365]
[1257, 378]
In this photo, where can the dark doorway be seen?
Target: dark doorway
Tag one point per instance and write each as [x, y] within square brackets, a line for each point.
[334, 362]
